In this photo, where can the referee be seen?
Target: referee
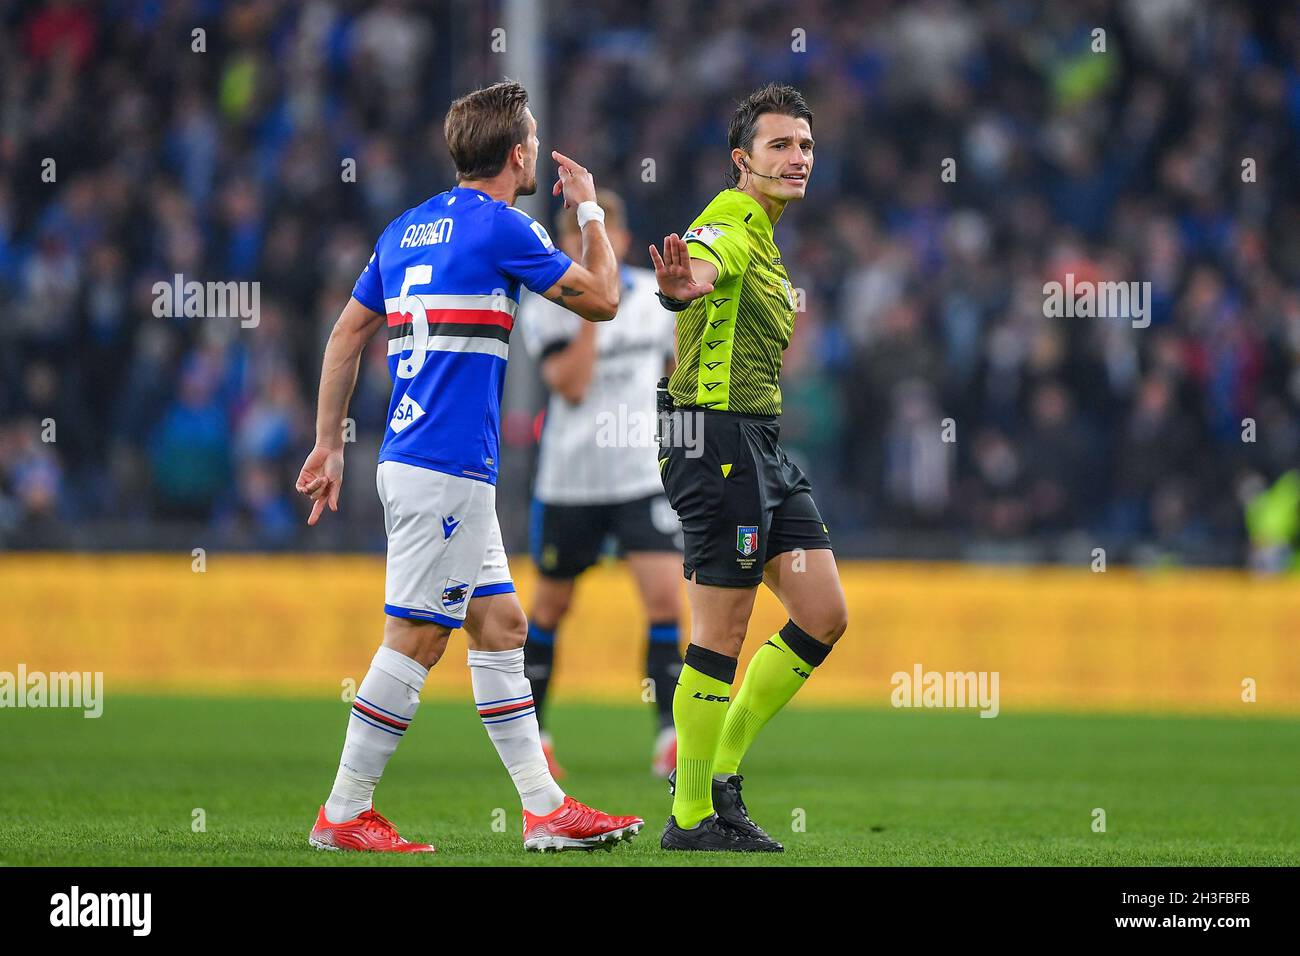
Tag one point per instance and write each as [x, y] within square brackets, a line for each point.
[746, 510]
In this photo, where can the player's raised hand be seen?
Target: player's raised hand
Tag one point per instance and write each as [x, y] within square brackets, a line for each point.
[321, 479]
[673, 271]
[573, 181]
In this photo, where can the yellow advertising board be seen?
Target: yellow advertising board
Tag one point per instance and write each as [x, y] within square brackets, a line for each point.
[1060, 639]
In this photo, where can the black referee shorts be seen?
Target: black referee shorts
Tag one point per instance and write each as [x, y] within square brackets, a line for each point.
[742, 502]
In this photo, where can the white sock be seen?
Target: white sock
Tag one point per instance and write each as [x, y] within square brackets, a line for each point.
[505, 703]
[385, 705]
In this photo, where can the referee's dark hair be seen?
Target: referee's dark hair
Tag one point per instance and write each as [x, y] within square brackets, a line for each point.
[773, 98]
[484, 126]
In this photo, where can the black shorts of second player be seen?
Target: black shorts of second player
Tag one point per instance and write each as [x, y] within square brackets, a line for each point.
[740, 498]
[568, 539]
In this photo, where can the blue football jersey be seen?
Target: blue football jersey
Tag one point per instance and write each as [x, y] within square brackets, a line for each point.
[447, 274]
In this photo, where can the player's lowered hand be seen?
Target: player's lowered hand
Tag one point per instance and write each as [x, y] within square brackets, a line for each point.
[673, 271]
[321, 479]
[573, 181]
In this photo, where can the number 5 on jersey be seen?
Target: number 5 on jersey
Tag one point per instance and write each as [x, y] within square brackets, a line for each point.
[408, 366]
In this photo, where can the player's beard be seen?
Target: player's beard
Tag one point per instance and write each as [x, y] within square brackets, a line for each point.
[530, 187]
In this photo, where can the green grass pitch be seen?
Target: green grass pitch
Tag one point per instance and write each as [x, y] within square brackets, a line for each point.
[838, 787]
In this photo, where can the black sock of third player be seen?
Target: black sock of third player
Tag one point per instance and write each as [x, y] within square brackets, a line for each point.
[663, 662]
[539, 657]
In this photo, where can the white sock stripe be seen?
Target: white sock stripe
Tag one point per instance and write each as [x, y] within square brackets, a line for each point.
[507, 662]
[400, 667]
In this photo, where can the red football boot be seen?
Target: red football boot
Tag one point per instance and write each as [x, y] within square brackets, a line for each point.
[576, 826]
[370, 831]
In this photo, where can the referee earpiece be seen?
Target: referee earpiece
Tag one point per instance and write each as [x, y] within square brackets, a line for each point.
[745, 166]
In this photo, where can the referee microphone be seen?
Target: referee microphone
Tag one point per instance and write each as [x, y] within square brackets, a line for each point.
[751, 172]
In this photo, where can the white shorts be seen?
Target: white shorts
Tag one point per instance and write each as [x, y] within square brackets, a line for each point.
[444, 543]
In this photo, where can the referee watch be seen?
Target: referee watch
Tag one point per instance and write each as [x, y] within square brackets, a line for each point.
[671, 304]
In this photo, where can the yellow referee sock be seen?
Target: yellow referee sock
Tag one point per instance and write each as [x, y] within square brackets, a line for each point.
[699, 709]
[774, 675]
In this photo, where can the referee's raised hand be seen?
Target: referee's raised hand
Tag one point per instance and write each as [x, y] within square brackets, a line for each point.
[674, 272]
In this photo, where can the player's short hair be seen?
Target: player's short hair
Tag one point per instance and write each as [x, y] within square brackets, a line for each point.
[566, 220]
[773, 98]
[482, 127]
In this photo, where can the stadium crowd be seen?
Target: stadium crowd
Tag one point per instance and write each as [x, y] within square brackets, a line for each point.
[967, 154]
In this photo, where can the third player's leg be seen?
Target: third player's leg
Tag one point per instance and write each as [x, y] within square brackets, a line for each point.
[551, 600]
[565, 541]
[658, 577]
[657, 574]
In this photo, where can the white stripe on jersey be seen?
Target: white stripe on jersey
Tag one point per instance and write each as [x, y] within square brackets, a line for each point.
[487, 303]
[451, 343]
[603, 449]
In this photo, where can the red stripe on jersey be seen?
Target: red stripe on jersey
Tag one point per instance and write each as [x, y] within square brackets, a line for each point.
[466, 316]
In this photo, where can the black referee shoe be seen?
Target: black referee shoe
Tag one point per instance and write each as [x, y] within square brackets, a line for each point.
[731, 808]
[712, 834]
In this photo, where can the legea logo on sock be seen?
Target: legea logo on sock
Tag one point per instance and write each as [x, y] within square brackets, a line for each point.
[711, 698]
[958, 689]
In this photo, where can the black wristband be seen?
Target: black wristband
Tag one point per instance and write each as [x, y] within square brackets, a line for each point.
[671, 304]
